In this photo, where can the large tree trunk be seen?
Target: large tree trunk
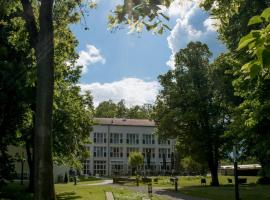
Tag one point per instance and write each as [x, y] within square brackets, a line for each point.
[44, 184]
[214, 175]
[42, 42]
[213, 166]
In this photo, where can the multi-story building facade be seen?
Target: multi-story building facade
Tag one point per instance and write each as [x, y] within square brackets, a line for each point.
[114, 139]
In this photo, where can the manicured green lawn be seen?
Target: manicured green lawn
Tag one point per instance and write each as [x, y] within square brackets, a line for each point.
[188, 185]
[247, 192]
[69, 191]
[183, 181]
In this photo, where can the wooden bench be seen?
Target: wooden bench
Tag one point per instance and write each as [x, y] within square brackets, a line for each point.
[109, 196]
[123, 180]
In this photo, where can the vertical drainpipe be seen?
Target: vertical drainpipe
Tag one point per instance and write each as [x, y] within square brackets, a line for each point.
[108, 150]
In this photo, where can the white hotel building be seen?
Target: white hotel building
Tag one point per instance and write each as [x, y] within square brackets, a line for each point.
[112, 141]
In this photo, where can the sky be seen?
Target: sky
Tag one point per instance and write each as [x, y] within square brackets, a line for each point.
[119, 65]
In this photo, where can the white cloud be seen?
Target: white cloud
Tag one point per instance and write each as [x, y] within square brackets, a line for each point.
[184, 31]
[89, 56]
[133, 90]
[211, 24]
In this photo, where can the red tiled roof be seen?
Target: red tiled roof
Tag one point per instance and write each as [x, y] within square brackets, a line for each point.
[124, 122]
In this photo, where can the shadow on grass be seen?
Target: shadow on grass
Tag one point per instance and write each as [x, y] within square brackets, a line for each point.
[175, 194]
[68, 196]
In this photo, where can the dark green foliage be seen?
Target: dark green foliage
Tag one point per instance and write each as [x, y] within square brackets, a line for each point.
[190, 108]
[234, 16]
[191, 167]
[264, 181]
[6, 168]
[109, 109]
[135, 160]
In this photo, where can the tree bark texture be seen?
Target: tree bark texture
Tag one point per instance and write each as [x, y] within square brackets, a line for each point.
[43, 43]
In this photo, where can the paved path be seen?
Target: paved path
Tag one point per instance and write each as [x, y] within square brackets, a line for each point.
[105, 182]
[163, 192]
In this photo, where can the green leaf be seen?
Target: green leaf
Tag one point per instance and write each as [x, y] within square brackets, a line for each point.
[245, 41]
[246, 67]
[160, 31]
[254, 70]
[255, 20]
[167, 27]
[256, 33]
[259, 53]
[165, 16]
[266, 58]
[266, 14]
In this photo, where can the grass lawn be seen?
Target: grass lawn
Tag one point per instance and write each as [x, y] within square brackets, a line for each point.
[183, 181]
[188, 185]
[69, 191]
[191, 185]
[247, 192]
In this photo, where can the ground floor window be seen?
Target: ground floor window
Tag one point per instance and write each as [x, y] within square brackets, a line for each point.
[165, 166]
[117, 167]
[86, 167]
[100, 167]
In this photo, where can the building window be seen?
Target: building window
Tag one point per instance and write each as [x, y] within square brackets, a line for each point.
[116, 138]
[86, 167]
[100, 167]
[87, 148]
[100, 138]
[131, 149]
[132, 138]
[150, 151]
[165, 151]
[116, 152]
[148, 139]
[164, 142]
[100, 152]
[117, 167]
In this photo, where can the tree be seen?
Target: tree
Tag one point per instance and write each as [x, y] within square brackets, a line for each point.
[72, 123]
[139, 14]
[15, 87]
[41, 37]
[107, 109]
[121, 110]
[140, 112]
[187, 108]
[192, 167]
[46, 56]
[42, 41]
[251, 120]
[257, 43]
[233, 17]
[135, 160]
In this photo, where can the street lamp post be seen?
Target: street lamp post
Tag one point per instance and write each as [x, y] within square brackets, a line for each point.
[236, 184]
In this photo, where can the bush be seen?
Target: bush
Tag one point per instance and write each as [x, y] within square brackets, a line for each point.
[264, 181]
